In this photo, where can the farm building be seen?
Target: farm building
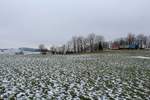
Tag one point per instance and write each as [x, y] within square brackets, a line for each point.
[133, 46]
[115, 46]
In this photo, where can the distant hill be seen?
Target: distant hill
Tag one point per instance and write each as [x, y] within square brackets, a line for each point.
[29, 49]
[2, 50]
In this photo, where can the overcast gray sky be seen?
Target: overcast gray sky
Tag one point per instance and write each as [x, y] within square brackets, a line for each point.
[27, 23]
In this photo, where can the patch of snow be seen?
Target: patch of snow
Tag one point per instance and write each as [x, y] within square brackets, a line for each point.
[140, 57]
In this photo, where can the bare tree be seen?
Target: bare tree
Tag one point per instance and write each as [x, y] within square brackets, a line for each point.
[43, 49]
[69, 46]
[74, 40]
[122, 41]
[85, 44]
[63, 49]
[148, 42]
[41, 46]
[99, 40]
[131, 38]
[142, 39]
[91, 38]
[53, 50]
[80, 44]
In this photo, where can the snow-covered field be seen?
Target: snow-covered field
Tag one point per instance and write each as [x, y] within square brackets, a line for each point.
[103, 76]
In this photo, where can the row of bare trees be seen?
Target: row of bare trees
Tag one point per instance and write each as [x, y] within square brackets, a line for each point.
[95, 43]
[80, 44]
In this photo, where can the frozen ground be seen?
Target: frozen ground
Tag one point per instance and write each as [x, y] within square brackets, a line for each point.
[104, 76]
[140, 57]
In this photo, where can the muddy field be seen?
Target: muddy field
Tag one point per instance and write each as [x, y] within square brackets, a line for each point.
[119, 75]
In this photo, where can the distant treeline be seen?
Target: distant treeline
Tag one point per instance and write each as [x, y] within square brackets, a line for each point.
[96, 43]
